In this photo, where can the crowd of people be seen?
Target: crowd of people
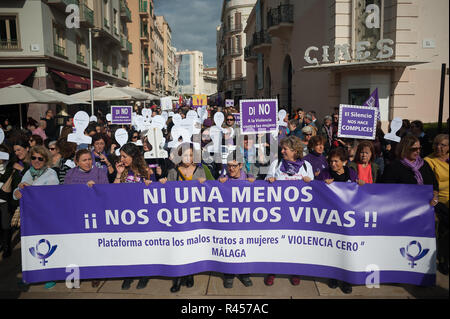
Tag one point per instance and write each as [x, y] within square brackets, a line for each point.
[309, 149]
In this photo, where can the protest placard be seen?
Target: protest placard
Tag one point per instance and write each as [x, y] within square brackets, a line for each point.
[259, 116]
[121, 114]
[357, 121]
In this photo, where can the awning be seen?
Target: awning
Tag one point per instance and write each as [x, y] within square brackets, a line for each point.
[382, 64]
[78, 82]
[14, 76]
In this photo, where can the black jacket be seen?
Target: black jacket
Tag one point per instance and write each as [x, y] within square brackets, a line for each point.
[397, 173]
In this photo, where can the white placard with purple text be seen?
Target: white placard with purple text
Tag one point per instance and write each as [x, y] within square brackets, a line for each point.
[357, 121]
[259, 116]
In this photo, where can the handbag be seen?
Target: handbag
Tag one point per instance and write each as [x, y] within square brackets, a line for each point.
[15, 220]
[6, 187]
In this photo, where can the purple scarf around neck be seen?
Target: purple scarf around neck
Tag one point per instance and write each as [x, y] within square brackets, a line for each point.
[291, 168]
[415, 166]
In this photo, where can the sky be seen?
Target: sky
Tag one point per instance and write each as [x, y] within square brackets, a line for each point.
[193, 24]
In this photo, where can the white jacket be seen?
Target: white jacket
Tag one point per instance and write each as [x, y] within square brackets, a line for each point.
[274, 171]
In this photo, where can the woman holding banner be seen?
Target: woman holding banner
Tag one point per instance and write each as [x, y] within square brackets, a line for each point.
[438, 162]
[14, 171]
[132, 168]
[364, 163]
[318, 161]
[186, 170]
[291, 167]
[338, 171]
[235, 172]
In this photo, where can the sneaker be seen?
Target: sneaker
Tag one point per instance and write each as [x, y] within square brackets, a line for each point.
[346, 287]
[126, 284]
[49, 285]
[295, 280]
[228, 283]
[142, 283]
[268, 281]
[246, 281]
[333, 283]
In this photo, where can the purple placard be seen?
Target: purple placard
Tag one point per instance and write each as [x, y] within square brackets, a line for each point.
[237, 118]
[357, 121]
[121, 114]
[259, 116]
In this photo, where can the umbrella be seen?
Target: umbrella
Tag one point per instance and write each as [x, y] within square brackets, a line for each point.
[149, 95]
[64, 98]
[110, 93]
[21, 94]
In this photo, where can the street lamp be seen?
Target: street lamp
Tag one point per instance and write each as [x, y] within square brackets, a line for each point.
[90, 68]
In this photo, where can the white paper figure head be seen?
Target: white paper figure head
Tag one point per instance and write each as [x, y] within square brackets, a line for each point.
[3, 155]
[80, 121]
[219, 119]
[93, 118]
[109, 117]
[396, 125]
[281, 116]
[159, 122]
[121, 137]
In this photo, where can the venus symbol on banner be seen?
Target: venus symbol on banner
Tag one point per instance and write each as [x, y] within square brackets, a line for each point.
[81, 122]
[121, 137]
[3, 155]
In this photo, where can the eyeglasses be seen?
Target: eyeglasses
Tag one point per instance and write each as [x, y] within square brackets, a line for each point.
[307, 134]
[31, 140]
[52, 148]
[230, 120]
[40, 159]
[135, 137]
[233, 166]
[415, 149]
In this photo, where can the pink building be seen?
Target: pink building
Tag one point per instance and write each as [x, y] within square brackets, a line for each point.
[317, 54]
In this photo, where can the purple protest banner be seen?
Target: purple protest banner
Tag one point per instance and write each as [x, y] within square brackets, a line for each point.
[121, 114]
[259, 116]
[237, 118]
[374, 101]
[357, 122]
[180, 228]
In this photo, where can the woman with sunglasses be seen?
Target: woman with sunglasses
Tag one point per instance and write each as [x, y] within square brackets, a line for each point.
[15, 170]
[39, 173]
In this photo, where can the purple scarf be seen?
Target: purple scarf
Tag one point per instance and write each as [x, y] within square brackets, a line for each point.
[415, 166]
[291, 168]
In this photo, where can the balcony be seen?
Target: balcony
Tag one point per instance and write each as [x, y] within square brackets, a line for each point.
[95, 65]
[62, 4]
[80, 59]
[9, 45]
[233, 52]
[143, 8]
[125, 12]
[233, 28]
[86, 16]
[250, 55]
[59, 51]
[105, 68]
[261, 42]
[115, 72]
[280, 21]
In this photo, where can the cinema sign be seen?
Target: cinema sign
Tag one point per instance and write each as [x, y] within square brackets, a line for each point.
[363, 48]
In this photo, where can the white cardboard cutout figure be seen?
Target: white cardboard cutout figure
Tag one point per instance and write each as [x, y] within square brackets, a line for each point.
[80, 121]
[109, 117]
[121, 136]
[156, 139]
[93, 118]
[3, 155]
[178, 130]
[147, 116]
[396, 124]
[215, 132]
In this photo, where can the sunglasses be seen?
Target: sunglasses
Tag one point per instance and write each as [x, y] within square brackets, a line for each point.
[415, 149]
[135, 137]
[31, 141]
[52, 148]
[40, 159]
[307, 134]
[230, 120]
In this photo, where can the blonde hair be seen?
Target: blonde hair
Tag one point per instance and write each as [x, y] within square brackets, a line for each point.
[295, 144]
[41, 150]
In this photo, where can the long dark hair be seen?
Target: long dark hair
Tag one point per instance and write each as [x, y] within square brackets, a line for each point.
[138, 163]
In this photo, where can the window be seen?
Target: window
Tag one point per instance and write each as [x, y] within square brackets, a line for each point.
[81, 51]
[9, 33]
[358, 96]
[59, 40]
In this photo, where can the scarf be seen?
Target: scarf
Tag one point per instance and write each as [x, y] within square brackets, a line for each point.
[291, 168]
[36, 173]
[329, 130]
[415, 166]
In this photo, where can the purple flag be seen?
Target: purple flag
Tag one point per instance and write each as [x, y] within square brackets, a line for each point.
[373, 101]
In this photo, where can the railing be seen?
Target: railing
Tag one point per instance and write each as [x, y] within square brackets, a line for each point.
[88, 14]
[59, 50]
[261, 37]
[8, 45]
[284, 13]
[234, 51]
[233, 28]
[249, 53]
[80, 58]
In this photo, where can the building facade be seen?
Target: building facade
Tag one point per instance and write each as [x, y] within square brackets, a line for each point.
[231, 40]
[319, 54]
[168, 57]
[190, 72]
[42, 46]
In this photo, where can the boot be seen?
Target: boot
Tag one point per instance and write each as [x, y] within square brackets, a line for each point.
[176, 284]
[189, 281]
